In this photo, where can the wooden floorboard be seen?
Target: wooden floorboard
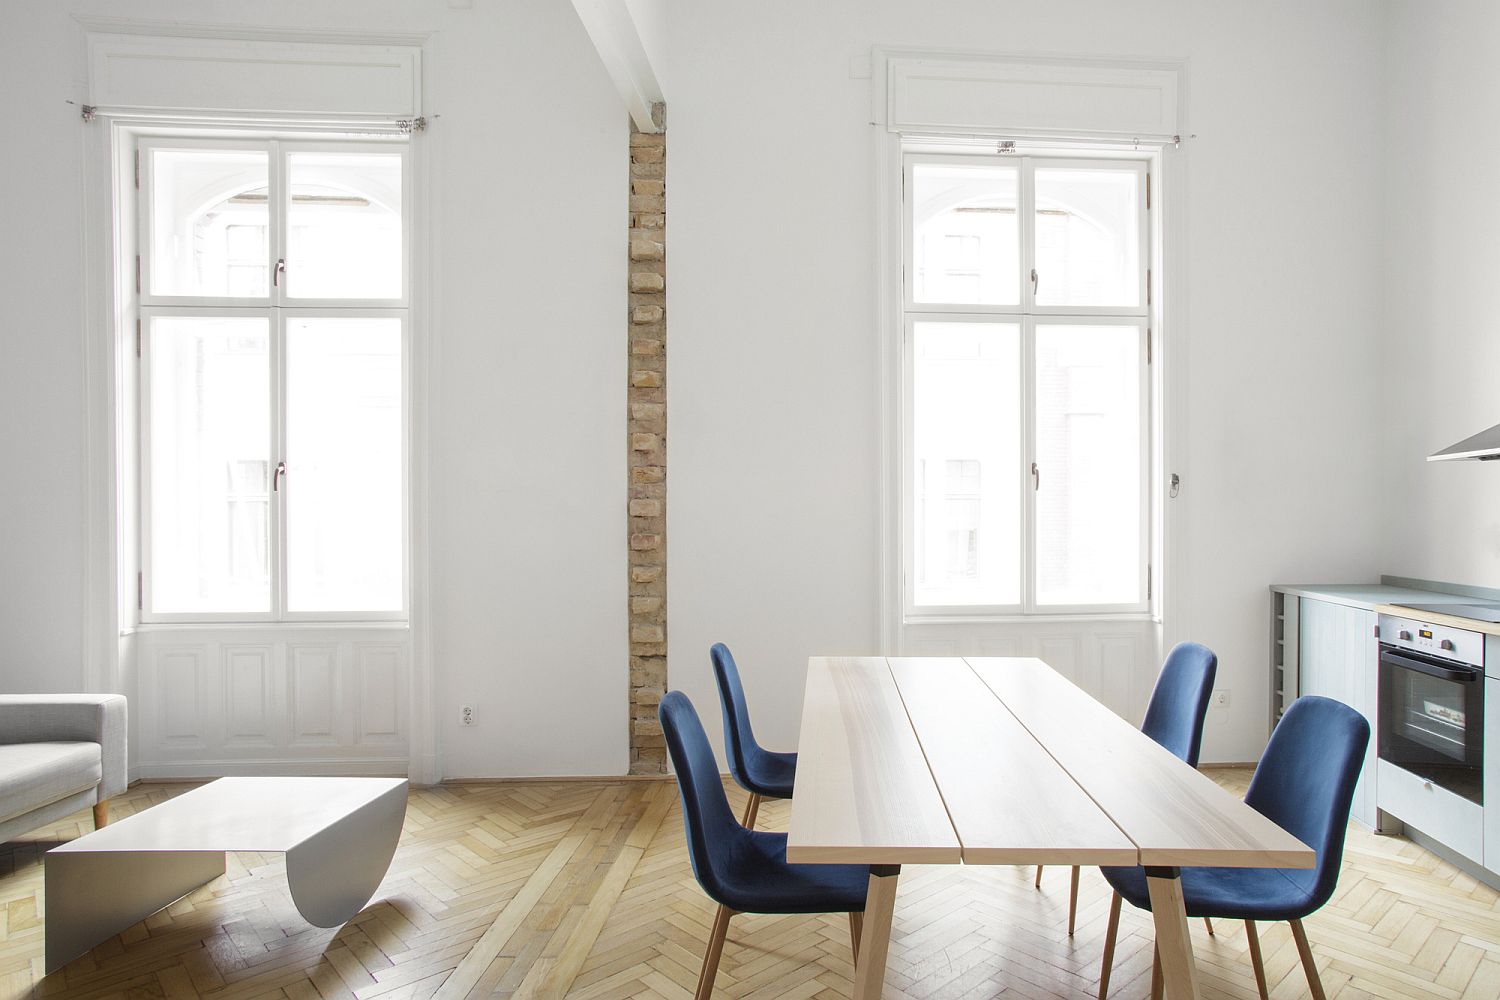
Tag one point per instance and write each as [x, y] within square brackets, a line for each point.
[539, 890]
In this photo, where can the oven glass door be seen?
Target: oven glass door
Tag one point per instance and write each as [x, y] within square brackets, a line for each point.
[1432, 719]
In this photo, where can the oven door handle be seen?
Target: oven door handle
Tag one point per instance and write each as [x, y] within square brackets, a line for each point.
[1462, 675]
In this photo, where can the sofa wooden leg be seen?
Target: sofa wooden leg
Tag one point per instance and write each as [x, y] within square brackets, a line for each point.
[101, 814]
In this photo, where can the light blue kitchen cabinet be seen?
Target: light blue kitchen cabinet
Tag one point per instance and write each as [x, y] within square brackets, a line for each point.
[1337, 658]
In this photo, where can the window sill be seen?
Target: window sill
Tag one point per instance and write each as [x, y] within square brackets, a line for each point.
[1038, 619]
[294, 626]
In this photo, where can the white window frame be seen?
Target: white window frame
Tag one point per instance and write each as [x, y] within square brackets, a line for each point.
[278, 308]
[1027, 315]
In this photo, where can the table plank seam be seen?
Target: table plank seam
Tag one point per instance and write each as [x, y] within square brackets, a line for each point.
[943, 798]
[1048, 751]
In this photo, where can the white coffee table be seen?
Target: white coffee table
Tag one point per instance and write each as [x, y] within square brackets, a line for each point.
[338, 834]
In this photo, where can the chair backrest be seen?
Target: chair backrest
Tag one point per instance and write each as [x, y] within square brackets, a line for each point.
[1174, 718]
[713, 833]
[1305, 782]
[739, 738]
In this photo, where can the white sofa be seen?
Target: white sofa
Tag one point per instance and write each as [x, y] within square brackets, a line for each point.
[59, 753]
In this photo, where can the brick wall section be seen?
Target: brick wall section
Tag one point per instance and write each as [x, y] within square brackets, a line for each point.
[647, 442]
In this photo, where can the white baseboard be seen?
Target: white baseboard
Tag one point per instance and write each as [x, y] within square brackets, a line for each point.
[371, 767]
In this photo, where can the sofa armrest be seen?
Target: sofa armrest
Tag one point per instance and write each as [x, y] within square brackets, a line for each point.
[71, 718]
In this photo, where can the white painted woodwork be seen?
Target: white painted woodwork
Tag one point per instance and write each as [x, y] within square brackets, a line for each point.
[1447, 818]
[1028, 95]
[1010, 802]
[1173, 813]
[617, 39]
[244, 700]
[253, 76]
[864, 793]
[1338, 658]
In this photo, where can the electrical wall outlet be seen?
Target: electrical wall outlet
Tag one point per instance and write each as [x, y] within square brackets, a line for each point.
[466, 716]
[1221, 697]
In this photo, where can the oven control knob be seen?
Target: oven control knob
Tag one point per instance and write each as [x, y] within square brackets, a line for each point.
[1446, 644]
[1404, 635]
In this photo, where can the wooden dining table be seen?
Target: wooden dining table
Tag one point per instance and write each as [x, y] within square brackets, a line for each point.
[1003, 761]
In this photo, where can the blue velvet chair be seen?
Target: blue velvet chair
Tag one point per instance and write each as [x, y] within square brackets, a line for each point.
[1174, 719]
[1304, 783]
[763, 773]
[744, 871]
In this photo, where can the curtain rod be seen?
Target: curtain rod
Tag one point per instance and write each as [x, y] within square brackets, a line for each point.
[376, 124]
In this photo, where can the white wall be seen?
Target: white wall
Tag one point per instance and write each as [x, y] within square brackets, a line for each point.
[1442, 289]
[42, 439]
[772, 407]
[527, 492]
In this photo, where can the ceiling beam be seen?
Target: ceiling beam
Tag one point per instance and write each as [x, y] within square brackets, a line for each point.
[618, 42]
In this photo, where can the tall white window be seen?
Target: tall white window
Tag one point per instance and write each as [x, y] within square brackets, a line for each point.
[273, 327]
[1026, 418]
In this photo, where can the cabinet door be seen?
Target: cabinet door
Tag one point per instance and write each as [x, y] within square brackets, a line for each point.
[1337, 660]
[1361, 673]
[1491, 857]
[1321, 661]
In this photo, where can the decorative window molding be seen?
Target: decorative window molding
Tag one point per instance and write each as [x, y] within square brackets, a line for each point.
[945, 92]
[253, 77]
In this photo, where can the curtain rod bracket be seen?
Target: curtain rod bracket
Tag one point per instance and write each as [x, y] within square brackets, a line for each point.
[411, 125]
[88, 112]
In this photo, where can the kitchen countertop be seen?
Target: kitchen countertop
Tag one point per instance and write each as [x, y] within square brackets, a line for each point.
[1371, 596]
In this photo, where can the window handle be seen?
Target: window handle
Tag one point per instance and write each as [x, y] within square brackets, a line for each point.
[276, 477]
[277, 272]
[1034, 281]
[1036, 477]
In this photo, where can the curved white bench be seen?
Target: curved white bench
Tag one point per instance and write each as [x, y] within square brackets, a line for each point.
[338, 834]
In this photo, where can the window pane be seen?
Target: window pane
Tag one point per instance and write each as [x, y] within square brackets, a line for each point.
[1088, 237]
[344, 226]
[1089, 451]
[965, 242]
[966, 431]
[209, 222]
[210, 464]
[344, 460]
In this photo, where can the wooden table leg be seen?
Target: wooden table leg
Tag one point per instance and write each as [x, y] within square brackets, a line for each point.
[1170, 914]
[875, 934]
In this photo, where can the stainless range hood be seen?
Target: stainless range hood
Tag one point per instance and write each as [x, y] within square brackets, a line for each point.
[1484, 446]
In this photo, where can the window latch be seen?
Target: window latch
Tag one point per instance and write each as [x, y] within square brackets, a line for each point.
[1034, 281]
[276, 477]
[1036, 477]
[277, 272]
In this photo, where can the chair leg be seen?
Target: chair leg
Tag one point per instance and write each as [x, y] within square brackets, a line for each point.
[751, 808]
[711, 957]
[101, 814]
[1309, 965]
[1110, 935]
[1157, 983]
[1210, 925]
[1255, 962]
[1038, 876]
[1073, 902]
[856, 927]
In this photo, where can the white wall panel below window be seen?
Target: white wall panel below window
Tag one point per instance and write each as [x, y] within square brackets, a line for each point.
[216, 701]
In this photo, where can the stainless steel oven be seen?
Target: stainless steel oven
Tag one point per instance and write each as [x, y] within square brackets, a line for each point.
[1431, 714]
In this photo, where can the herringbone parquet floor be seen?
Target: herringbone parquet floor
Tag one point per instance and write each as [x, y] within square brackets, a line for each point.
[583, 889]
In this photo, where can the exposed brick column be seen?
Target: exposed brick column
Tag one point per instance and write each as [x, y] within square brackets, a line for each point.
[647, 434]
